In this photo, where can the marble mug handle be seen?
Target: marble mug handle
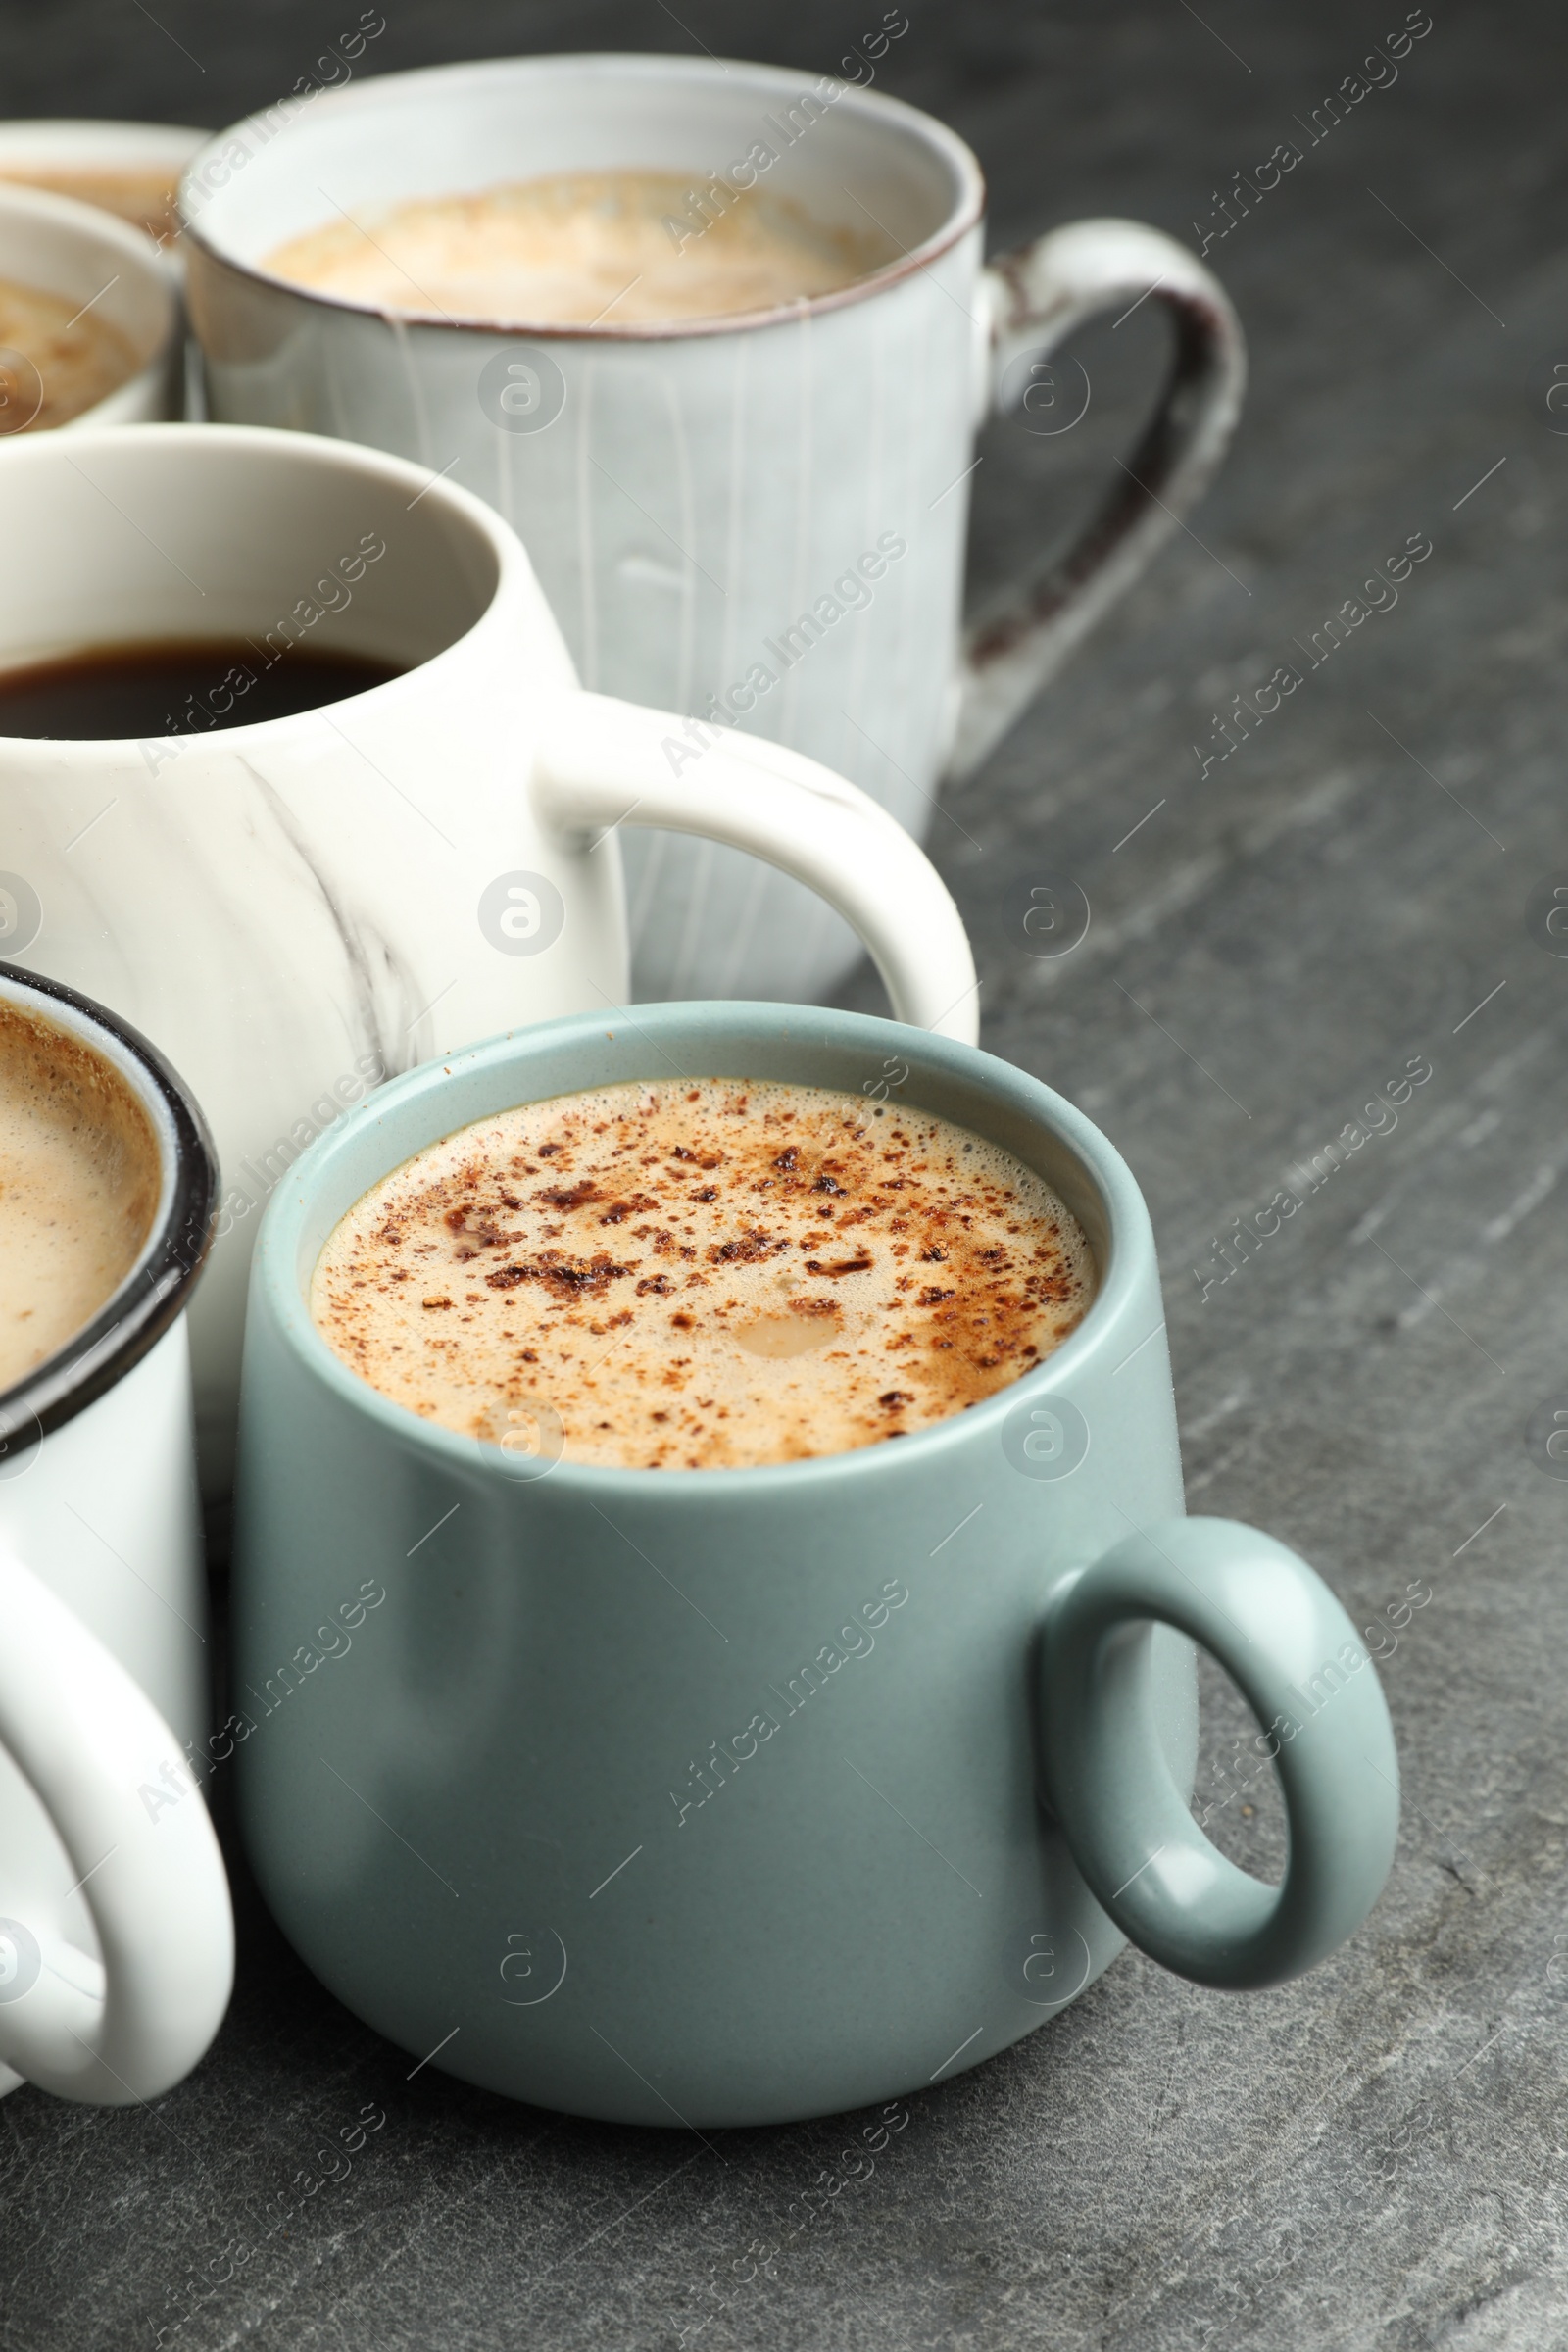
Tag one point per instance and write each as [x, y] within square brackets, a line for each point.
[1280, 1634]
[89, 1742]
[600, 763]
[1035, 299]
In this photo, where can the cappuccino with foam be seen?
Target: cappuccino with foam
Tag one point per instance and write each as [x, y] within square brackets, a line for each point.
[628, 248]
[702, 1275]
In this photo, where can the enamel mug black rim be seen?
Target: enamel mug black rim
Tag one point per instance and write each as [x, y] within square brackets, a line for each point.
[156, 1289]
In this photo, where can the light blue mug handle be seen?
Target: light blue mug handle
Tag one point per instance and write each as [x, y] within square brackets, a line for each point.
[1280, 1634]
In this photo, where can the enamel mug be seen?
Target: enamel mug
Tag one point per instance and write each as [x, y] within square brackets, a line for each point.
[116, 1942]
[711, 504]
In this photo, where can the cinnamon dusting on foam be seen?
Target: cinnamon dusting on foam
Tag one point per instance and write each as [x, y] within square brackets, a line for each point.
[703, 1275]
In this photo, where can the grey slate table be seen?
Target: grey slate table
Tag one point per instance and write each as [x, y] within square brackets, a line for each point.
[1375, 2156]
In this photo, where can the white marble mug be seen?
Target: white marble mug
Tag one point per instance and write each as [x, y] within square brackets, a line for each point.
[702, 498]
[299, 907]
[117, 1940]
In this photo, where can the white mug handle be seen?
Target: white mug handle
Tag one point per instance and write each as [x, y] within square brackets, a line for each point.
[601, 763]
[89, 1742]
[1034, 300]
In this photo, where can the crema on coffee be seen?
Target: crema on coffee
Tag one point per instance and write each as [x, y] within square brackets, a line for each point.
[80, 1183]
[624, 247]
[702, 1275]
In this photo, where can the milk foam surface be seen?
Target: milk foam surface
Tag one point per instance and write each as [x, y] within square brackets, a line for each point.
[578, 247]
[701, 1275]
[80, 1183]
[78, 356]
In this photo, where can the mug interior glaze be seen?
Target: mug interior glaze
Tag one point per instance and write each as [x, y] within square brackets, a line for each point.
[265, 527]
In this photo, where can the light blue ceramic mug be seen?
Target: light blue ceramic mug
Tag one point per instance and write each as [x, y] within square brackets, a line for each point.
[725, 1797]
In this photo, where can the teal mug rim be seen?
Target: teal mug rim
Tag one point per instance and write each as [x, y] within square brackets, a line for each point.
[720, 1027]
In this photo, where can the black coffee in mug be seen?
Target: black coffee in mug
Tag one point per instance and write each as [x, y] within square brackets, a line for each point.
[178, 686]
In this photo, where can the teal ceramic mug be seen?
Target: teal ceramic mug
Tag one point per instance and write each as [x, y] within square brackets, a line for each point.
[732, 1797]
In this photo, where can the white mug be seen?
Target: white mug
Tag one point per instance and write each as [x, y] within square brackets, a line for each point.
[88, 255]
[300, 907]
[116, 1942]
[759, 520]
[130, 170]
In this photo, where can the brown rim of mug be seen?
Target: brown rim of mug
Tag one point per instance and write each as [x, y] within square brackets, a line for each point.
[967, 211]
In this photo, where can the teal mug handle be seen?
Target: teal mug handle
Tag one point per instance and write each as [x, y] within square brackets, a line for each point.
[1277, 1629]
